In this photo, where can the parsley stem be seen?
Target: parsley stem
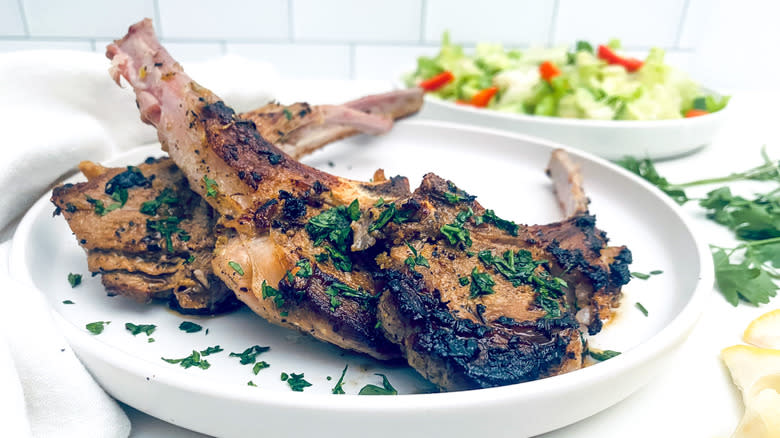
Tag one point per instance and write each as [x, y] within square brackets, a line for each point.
[748, 174]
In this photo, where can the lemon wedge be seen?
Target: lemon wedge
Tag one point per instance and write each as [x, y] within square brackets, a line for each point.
[756, 372]
[764, 331]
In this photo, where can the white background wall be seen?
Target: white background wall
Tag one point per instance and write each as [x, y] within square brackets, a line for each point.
[724, 43]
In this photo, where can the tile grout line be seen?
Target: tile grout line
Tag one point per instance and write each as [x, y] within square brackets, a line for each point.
[158, 18]
[352, 51]
[681, 24]
[553, 24]
[23, 15]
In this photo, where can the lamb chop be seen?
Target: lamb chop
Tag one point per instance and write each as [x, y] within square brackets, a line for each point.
[472, 300]
[129, 248]
[278, 219]
[477, 301]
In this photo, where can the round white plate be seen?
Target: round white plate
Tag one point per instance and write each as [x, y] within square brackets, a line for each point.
[610, 139]
[506, 171]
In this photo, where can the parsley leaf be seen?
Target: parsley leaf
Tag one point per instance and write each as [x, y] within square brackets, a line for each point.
[141, 328]
[251, 383]
[386, 389]
[296, 381]
[641, 308]
[338, 389]
[68, 302]
[481, 284]
[333, 226]
[97, 327]
[305, 270]
[260, 366]
[250, 354]
[646, 169]
[193, 360]
[74, 279]
[602, 355]
[236, 267]
[415, 259]
[190, 327]
[742, 280]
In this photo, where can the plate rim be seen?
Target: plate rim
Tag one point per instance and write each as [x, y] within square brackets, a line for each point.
[669, 337]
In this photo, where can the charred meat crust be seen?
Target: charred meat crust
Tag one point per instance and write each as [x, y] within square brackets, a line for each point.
[354, 318]
[475, 355]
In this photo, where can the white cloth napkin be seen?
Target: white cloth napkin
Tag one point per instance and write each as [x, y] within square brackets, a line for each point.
[56, 109]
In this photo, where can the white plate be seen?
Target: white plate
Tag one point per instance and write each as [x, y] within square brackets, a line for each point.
[610, 139]
[507, 172]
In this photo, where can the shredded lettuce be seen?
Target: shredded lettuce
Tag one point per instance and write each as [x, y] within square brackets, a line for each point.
[587, 87]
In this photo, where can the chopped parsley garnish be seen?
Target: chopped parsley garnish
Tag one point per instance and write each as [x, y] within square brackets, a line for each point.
[236, 267]
[384, 217]
[338, 389]
[305, 269]
[149, 340]
[260, 366]
[602, 355]
[386, 389]
[97, 327]
[455, 233]
[296, 381]
[287, 114]
[167, 227]
[167, 196]
[269, 292]
[656, 272]
[190, 259]
[380, 203]
[464, 281]
[520, 268]
[640, 275]
[333, 226]
[337, 289]
[190, 327]
[140, 328]
[74, 279]
[415, 259]
[68, 302]
[250, 354]
[481, 284]
[211, 186]
[212, 350]
[503, 224]
[641, 308]
[193, 360]
[251, 383]
[97, 204]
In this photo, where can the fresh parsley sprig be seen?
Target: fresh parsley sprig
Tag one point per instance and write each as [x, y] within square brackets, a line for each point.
[745, 272]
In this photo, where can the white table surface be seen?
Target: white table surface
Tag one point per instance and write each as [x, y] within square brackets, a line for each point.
[694, 397]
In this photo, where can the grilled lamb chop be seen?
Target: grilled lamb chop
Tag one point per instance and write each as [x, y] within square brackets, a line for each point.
[147, 234]
[266, 202]
[142, 267]
[334, 247]
[477, 301]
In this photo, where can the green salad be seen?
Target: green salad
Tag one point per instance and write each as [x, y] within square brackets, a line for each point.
[586, 82]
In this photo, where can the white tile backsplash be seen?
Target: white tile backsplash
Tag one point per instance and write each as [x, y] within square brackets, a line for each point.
[357, 20]
[84, 18]
[388, 62]
[224, 20]
[513, 22]
[637, 23]
[377, 39]
[11, 22]
[313, 61]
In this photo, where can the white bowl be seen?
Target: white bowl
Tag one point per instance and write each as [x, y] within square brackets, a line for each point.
[610, 139]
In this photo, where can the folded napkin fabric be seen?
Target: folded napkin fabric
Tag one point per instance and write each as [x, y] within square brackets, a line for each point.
[60, 108]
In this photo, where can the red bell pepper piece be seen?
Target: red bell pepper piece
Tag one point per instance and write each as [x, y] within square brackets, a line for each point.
[438, 81]
[548, 70]
[630, 64]
[696, 112]
[482, 98]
